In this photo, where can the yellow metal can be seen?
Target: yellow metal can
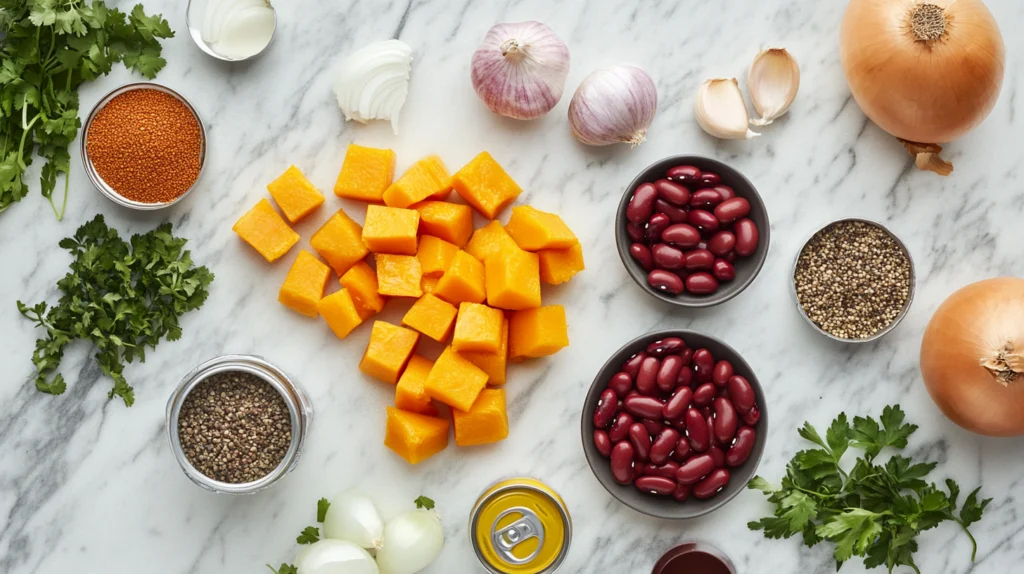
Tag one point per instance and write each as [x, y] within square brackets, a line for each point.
[520, 526]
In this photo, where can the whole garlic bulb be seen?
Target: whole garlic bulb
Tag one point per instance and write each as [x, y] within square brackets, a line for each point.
[520, 68]
[615, 104]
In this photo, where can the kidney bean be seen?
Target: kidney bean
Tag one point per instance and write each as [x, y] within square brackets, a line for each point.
[710, 486]
[725, 191]
[681, 493]
[672, 192]
[710, 418]
[746, 237]
[708, 179]
[704, 363]
[642, 203]
[686, 355]
[640, 440]
[751, 417]
[730, 257]
[647, 378]
[721, 372]
[704, 394]
[663, 445]
[740, 450]
[722, 243]
[656, 485]
[675, 214]
[693, 470]
[677, 405]
[723, 392]
[742, 393]
[703, 220]
[698, 259]
[684, 174]
[647, 407]
[622, 462]
[637, 231]
[669, 373]
[655, 226]
[642, 255]
[681, 235]
[606, 407]
[723, 270]
[682, 451]
[666, 346]
[732, 209]
[654, 428]
[679, 424]
[705, 199]
[665, 256]
[706, 412]
[718, 456]
[685, 375]
[697, 430]
[701, 283]
[665, 281]
[725, 420]
[621, 383]
[619, 430]
[602, 443]
[632, 364]
[668, 470]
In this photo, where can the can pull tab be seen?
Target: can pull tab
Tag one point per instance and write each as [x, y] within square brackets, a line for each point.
[506, 539]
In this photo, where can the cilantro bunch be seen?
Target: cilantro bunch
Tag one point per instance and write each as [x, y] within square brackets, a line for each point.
[49, 48]
[123, 297]
[874, 511]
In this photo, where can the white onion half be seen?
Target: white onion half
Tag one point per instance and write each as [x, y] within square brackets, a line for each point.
[335, 557]
[353, 517]
[373, 82]
[412, 540]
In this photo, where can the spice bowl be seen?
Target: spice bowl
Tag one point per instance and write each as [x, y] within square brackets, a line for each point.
[300, 415]
[90, 167]
[901, 248]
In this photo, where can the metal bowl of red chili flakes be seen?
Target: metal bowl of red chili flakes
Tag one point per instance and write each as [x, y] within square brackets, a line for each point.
[144, 146]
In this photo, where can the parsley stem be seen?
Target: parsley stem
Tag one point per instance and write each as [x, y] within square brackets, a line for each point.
[974, 543]
[815, 493]
[24, 134]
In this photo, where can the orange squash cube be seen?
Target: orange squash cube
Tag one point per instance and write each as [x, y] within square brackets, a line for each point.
[295, 195]
[485, 185]
[478, 328]
[513, 280]
[485, 423]
[494, 364]
[537, 332]
[452, 222]
[398, 275]
[388, 351]
[390, 230]
[339, 241]
[304, 286]
[463, 281]
[429, 283]
[560, 265]
[361, 282]
[534, 230]
[427, 178]
[410, 393]
[263, 229]
[415, 437]
[432, 317]
[489, 240]
[340, 312]
[365, 173]
[435, 255]
[455, 381]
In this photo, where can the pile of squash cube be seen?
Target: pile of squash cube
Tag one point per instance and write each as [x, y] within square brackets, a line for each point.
[476, 291]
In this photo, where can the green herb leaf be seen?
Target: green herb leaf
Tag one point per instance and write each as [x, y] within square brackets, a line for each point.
[424, 503]
[284, 569]
[309, 535]
[321, 509]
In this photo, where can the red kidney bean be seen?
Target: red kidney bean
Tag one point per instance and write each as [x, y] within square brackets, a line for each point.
[701, 283]
[721, 372]
[647, 378]
[740, 450]
[668, 470]
[725, 191]
[697, 430]
[606, 407]
[730, 257]
[654, 428]
[655, 226]
[723, 392]
[642, 203]
[665, 281]
[647, 407]
[686, 355]
[663, 445]
[751, 417]
[725, 420]
[705, 199]
[704, 394]
[685, 375]
[642, 254]
[667, 257]
[668, 374]
[677, 405]
[684, 174]
[622, 462]
[632, 364]
[707, 413]
[710, 486]
[699, 259]
[718, 456]
[621, 383]
[682, 451]
[602, 443]
[722, 243]
[656, 485]
[693, 470]
[741, 393]
[619, 430]
[746, 237]
[637, 231]
[679, 424]
[681, 493]
[666, 346]
[703, 220]
[675, 214]
[640, 440]
[732, 209]
[672, 192]
[709, 417]
[723, 270]
[681, 235]
[704, 363]
[708, 179]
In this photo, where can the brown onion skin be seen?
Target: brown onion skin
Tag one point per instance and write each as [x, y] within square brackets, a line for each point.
[971, 325]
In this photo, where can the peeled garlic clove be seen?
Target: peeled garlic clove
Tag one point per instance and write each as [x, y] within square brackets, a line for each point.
[773, 83]
[720, 110]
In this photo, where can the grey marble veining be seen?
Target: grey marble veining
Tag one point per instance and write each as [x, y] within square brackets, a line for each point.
[87, 485]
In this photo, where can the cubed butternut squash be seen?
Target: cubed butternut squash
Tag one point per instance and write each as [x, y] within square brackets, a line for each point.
[339, 241]
[340, 312]
[413, 436]
[537, 332]
[455, 381]
[435, 255]
[388, 351]
[304, 286]
[429, 283]
[486, 421]
[494, 364]
[533, 229]
[426, 179]
[513, 280]
[361, 282]
[478, 328]
[399, 275]
[560, 265]
[489, 240]
[295, 195]
[431, 316]
[365, 173]
[485, 185]
[266, 231]
[463, 281]
[410, 393]
[390, 230]
[452, 222]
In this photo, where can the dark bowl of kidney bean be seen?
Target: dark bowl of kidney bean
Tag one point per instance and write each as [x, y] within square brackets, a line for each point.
[692, 231]
[675, 424]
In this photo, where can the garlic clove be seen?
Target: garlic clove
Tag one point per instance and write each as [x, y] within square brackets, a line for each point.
[720, 110]
[773, 82]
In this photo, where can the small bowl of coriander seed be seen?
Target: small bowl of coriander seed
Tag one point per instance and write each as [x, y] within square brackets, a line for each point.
[853, 280]
[237, 424]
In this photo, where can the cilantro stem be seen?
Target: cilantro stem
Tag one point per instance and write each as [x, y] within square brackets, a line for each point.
[815, 493]
[974, 543]
[64, 203]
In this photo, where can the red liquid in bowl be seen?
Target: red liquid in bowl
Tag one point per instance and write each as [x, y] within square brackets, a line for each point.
[694, 559]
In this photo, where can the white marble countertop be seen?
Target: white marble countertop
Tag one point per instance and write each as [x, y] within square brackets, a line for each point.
[87, 485]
